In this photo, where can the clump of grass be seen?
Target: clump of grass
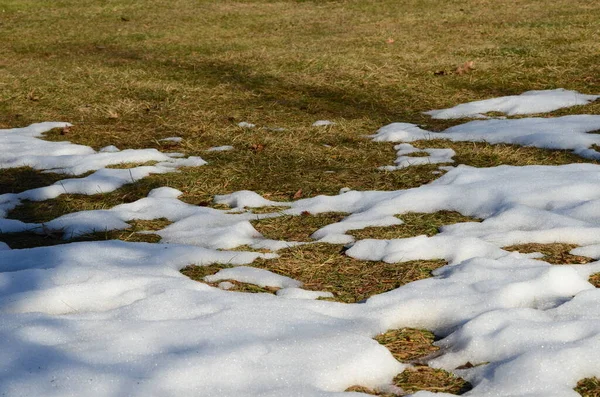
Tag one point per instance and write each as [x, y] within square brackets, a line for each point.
[415, 224]
[407, 344]
[595, 280]
[588, 387]
[431, 379]
[555, 253]
[295, 228]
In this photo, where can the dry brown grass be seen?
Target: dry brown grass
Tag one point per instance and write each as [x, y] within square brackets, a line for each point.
[295, 228]
[408, 344]
[555, 253]
[595, 280]
[323, 267]
[588, 387]
[415, 224]
[199, 272]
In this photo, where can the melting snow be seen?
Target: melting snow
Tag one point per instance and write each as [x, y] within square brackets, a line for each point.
[527, 103]
[433, 156]
[117, 318]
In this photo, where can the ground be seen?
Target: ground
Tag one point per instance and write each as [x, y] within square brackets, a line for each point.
[131, 75]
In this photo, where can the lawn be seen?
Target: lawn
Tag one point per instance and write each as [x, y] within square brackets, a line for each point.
[131, 74]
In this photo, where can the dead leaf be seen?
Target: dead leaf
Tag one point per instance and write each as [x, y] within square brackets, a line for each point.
[65, 131]
[257, 147]
[297, 195]
[465, 68]
[112, 114]
[467, 365]
[305, 213]
[390, 40]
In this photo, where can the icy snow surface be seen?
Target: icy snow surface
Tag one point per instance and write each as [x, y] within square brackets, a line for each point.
[527, 103]
[115, 318]
[433, 156]
[567, 132]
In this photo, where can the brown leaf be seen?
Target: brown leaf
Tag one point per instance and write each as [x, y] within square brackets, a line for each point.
[65, 131]
[297, 195]
[112, 114]
[305, 213]
[390, 40]
[257, 147]
[465, 68]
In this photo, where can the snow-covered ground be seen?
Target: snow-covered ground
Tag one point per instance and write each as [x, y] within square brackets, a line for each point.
[114, 318]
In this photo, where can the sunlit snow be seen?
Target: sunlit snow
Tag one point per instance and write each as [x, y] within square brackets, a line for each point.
[115, 318]
[527, 103]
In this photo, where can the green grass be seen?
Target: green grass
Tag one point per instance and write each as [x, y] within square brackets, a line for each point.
[131, 73]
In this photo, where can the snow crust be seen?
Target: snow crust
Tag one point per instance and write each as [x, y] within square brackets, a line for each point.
[220, 148]
[527, 103]
[567, 132]
[322, 123]
[433, 156]
[118, 318]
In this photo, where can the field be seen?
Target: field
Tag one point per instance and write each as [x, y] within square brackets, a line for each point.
[131, 74]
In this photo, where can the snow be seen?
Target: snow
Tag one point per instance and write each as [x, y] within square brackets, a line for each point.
[252, 275]
[433, 156]
[245, 124]
[175, 139]
[322, 123]
[527, 103]
[115, 318]
[567, 132]
[220, 148]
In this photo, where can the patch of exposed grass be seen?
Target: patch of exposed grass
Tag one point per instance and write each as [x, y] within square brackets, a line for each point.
[482, 154]
[431, 379]
[415, 224]
[409, 344]
[322, 267]
[31, 240]
[295, 228]
[267, 210]
[17, 180]
[595, 280]
[199, 272]
[41, 238]
[555, 253]
[588, 387]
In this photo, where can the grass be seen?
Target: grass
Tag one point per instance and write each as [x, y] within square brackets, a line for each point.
[415, 224]
[323, 267]
[129, 74]
[588, 387]
[408, 344]
[555, 253]
[41, 237]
